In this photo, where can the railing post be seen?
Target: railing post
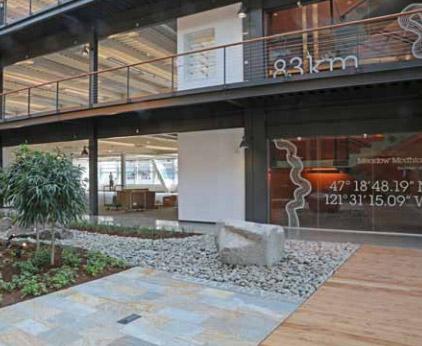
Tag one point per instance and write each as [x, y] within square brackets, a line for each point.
[172, 73]
[224, 66]
[2, 97]
[3, 107]
[128, 83]
[57, 96]
[30, 7]
[29, 101]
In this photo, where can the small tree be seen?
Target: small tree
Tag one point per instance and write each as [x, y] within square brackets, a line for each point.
[44, 189]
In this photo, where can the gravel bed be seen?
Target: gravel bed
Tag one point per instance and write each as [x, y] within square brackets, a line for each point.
[305, 267]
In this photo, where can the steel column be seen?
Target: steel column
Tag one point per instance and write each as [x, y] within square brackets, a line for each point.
[253, 53]
[93, 66]
[93, 170]
[256, 165]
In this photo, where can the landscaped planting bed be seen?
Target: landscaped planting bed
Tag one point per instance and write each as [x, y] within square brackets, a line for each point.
[135, 232]
[26, 273]
[305, 266]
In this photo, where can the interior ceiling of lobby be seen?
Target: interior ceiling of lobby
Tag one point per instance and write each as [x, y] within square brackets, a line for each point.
[117, 50]
[162, 145]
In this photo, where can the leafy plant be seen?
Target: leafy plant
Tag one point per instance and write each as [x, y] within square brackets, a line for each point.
[98, 262]
[61, 277]
[44, 188]
[71, 258]
[41, 258]
[27, 267]
[33, 287]
[127, 231]
[6, 286]
[18, 281]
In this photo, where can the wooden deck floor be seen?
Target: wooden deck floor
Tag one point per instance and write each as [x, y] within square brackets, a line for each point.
[374, 299]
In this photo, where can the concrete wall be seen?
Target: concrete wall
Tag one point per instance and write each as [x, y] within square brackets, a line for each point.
[211, 176]
[226, 27]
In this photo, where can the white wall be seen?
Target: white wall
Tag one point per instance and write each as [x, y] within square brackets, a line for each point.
[211, 176]
[8, 156]
[227, 28]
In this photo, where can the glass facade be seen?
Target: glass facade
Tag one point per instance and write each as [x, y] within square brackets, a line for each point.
[327, 12]
[337, 48]
[364, 182]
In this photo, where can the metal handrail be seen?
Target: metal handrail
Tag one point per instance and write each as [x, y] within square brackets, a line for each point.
[254, 40]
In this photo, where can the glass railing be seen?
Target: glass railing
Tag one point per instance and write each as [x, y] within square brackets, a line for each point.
[15, 10]
[350, 48]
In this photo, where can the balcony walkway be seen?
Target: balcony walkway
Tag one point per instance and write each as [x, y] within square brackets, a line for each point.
[374, 299]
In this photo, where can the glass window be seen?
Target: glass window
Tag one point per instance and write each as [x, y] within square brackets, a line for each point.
[365, 182]
[339, 48]
[200, 66]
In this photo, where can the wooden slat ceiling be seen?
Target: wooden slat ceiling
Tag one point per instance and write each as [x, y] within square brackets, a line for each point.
[117, 50]
[155, 145]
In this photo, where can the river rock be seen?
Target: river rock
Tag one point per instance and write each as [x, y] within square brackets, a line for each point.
[6, 224]
[248, 243]
[59, 234]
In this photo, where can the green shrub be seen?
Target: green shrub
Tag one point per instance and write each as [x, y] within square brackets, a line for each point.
[6, 286]
[33, 287]
[71, 258]
[41, 258]
[26, 267]
[97, 263]
[18, 281]
[61, 277]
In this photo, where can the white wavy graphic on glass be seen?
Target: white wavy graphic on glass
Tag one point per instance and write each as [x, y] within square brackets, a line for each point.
[413, 23]
[304, 187]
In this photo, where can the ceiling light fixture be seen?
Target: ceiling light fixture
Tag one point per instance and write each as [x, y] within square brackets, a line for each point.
[84, 151]
[85, 50]
[244, 143]
[122, 144]
[242, 13]
[159, 147]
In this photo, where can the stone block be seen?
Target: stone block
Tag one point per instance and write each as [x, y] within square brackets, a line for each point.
[248, 243]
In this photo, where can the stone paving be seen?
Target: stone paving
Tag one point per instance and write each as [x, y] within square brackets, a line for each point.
[172, 312]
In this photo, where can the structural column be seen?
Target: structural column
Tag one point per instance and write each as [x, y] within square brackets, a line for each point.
[2, 12]
[93, 67]
[254, 53]
[2, 99]
[123, 170]
[1, 152]
[256, 160]
[93, 170]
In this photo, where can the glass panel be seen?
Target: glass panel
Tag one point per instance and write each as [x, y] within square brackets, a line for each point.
[367, 182]
[112, 86]
[74, 93]
[151, 78]
[43, 99]
[40, 5]
[136, 46]
[16, 104]
[341, 48]
[16, 9]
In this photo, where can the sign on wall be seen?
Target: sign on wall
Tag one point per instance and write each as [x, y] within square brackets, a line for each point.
[297, 65]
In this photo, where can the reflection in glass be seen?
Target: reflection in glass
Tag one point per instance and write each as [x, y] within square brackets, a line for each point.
[366, 182]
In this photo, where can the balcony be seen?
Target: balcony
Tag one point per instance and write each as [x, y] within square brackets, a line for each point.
[388, 43]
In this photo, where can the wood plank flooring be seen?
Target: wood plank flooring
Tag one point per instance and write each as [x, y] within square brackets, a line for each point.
[374, 299]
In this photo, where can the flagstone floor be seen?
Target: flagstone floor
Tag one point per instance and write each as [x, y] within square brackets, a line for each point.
[172, 312]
